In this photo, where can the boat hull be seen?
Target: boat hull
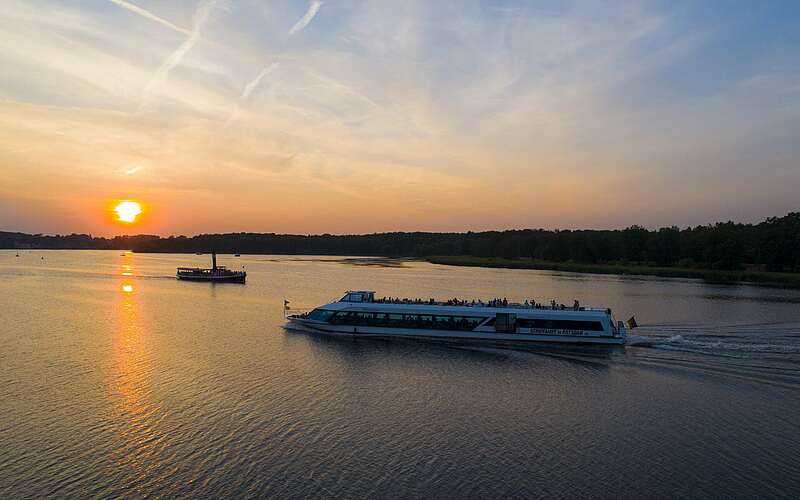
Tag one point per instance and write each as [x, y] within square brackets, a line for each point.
[214, 279]
[303, 324]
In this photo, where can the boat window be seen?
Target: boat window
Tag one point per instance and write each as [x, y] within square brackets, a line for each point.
[358, 297]
[412, 321]
[559, 324]
[320, 315]
[352, 297]
[340, 318]
[505, 322]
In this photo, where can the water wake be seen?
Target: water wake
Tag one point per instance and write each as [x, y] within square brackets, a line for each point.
[733, 341]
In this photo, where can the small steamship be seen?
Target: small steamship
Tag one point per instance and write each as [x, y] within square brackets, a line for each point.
[215, 274]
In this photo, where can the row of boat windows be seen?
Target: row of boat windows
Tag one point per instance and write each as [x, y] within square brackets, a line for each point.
[555, 324]
[442, 322]
[391, 320]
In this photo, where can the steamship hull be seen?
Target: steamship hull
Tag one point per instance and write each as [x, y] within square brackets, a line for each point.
[238, 278]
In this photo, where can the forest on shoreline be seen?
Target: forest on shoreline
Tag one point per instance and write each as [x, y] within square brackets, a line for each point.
[772, 245]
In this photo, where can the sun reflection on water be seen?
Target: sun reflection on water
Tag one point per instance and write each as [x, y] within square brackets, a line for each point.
[131, 385]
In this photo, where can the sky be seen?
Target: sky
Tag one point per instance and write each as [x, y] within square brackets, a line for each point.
[345, 116]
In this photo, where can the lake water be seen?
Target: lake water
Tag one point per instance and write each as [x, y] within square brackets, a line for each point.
[118, 380]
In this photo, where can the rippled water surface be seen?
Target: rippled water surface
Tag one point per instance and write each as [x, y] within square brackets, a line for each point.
[118, 380]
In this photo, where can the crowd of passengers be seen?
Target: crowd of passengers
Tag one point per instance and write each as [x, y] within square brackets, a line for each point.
[496, 302]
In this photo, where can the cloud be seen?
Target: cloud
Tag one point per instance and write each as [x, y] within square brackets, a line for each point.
[149, 15]
[199, 20]
[484, 118]
[313, 8]
[248, 89]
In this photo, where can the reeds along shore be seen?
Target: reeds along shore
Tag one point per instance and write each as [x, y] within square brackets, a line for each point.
[791, 280]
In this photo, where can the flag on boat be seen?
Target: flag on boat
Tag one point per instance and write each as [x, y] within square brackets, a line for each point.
[632, 323]
[285, 305]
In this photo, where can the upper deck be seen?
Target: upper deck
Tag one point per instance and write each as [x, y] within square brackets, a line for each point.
[364, 300]
[220, 271]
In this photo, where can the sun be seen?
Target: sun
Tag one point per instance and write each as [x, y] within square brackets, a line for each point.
[127, 211]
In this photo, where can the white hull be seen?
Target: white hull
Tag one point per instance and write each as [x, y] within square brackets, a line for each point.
[359, 314]
[377, 332]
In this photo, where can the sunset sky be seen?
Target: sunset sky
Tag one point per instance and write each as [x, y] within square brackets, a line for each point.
[354, 116]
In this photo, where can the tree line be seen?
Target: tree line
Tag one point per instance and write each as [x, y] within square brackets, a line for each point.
[772, 245]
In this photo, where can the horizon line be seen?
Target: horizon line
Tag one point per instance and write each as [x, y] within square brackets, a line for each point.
[648, 228]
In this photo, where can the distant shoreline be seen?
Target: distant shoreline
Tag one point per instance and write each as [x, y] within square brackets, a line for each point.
[746, 277]
[762, 278]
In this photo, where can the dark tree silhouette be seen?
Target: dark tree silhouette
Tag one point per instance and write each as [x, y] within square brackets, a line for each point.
[772, 245]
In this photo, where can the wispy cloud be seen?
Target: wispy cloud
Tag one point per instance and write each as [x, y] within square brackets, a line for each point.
[149, 15]
[199, 20]
[582, 102]
[313, 8]
[248, 89]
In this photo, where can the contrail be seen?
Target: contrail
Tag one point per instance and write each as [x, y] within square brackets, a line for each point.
[313, 8]
[199, 19]
[248, 89]
[149, 15]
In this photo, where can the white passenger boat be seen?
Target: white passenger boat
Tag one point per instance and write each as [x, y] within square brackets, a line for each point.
[360, 313]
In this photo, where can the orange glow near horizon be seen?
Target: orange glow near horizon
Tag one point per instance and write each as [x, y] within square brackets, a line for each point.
[569, 123]
[127, 211]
